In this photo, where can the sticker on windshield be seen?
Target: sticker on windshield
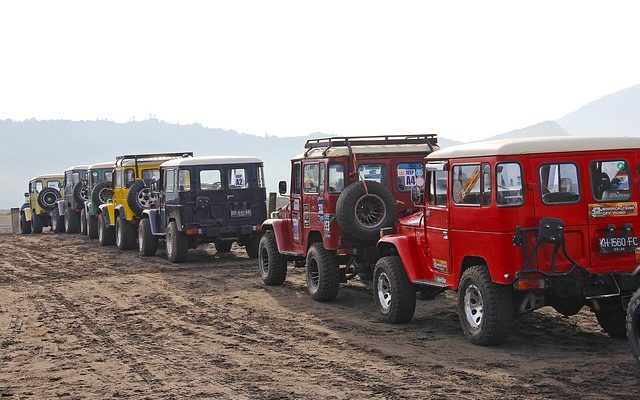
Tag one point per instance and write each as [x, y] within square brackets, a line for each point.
[626, 209]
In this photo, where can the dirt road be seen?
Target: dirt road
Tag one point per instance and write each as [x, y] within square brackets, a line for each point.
[82, 321]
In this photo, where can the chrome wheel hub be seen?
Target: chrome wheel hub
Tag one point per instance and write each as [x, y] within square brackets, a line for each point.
[473, 306]
[147, 198]
[384, 292]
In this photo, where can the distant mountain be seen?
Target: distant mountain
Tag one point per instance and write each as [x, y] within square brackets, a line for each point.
[614, 114]
[35, 147]
[547, 128]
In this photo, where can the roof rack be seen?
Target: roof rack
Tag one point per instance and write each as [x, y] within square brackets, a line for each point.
[386, 140]
[151, 157]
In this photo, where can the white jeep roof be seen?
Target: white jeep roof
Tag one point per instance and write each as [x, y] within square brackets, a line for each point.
[110, 164]
[340, 151]
[47, 176]
[533, 145]
[77, 167]
[210, 160]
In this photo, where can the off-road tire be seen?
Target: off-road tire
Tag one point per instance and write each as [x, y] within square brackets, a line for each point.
[78, 190]
[36, 223]
[497, 307]
[136, 188]
[125, 234]
[106, 233]
[612, 320]
[327, 282]
[48, 198]
[354, 199]
[25, 226]
[271, 264]
[177, 244]
[57, 221]
[101, 192]
[71, 221]
[147, 242]
[223, 246]
[83, 222]
[633, 325]
[92, 227]
[252, 246]
[391, 284]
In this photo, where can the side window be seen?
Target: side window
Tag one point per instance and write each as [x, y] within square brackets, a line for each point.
[238, 178]
[336, 178]
[67, 179]
[38, 186]
[129, 177]
[321, 180]
[610, 181]
[119, 178]
[210, 179]
[311, 178]
[93, 178]
[559, 183]
[509, 184]
[486, 184]
[373, 172]
[170, 180]
[54, 184]
[438, 188]
[297, 178]
[184, 180]
[409, 174]
[466, 184]
[261, 183]
[153, 174]
[107, 176]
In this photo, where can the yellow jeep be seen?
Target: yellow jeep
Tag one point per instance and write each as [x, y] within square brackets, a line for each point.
[132, 194]
[36, 212]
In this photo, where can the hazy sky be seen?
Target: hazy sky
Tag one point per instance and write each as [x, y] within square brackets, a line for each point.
[463, 69]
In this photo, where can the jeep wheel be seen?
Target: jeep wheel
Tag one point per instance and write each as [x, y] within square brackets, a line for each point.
[25, 226]
[106, 233]
[361, 213]
[177, 244]
[323, 275]
[394, 293]
[48, 197]
[612, 319]
[92, 226]
[125, 234]
[223, 246]
[147, 242]
[101, 193]
[71, 221]
[36, 223]
[80, 193]
[83, 221]
[272, 265]
[485, 308]
[140, 197]
[57, 221]
[633, 325]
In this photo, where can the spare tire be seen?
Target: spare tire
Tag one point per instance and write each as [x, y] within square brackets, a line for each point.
[361, 213]
[80, 193]
[140, 196]
[48, 197]
[101, 193]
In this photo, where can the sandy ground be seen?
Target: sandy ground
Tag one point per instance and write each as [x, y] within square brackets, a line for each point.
[81, 321]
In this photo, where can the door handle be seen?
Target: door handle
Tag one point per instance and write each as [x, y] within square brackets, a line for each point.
[445, 234]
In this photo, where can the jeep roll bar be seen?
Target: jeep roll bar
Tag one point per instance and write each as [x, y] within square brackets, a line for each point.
[150, 157]
[387, 140]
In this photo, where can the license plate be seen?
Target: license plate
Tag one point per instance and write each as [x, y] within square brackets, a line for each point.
[618, 244]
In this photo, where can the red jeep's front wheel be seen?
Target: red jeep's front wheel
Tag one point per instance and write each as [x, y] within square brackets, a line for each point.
[323, 274]
[273, 267]
[394, 294]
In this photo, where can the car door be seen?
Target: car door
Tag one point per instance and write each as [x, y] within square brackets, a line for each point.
[297, 224]
[437, 223]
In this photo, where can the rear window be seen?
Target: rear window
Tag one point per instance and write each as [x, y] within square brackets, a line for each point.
[184, 180]
[311, 178]
[38, 186]
[54, 184]
[559, 183]
[408, 175]
[373, 172]
[153, 174]
[336, 178]
[610, 181]
[210, 179]
[509, 184]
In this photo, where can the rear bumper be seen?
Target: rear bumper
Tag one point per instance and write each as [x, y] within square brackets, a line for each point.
[212, 233]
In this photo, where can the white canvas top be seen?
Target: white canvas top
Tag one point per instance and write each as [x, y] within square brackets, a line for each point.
[48, 176]
[110, 164]
[210, 160]
[340, 151]
[533, 145]
[77, 167]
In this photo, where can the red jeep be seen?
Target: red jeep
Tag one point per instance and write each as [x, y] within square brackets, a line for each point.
[515, 225]
[343, 191]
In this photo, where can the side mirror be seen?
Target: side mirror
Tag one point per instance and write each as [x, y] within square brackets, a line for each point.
[417, 195]
[282, 188]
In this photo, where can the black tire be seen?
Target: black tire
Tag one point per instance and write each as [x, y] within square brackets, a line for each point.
[25, 226]
[125, 234]
[101, 193]
[106, 233]
[223, 246]
[633, 325]
[323, 275]
[147, 242]
[57, 221]
[80, 193]
[393, 292]
[140, 196]
[36, 223]
[612, 320]
[252, 246]
[177, 244]
[83, 222]
[71, 221]
[361, 213]
[92, 227]
[490, 307]
[272, 265]
[48, 198]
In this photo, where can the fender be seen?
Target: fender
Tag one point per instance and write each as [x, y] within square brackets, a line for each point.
[107, 212]
[281, 229]
[62, 207]
[27, 213]
[121, 211]
[154, 221]
[416, 272]
[174, 214]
